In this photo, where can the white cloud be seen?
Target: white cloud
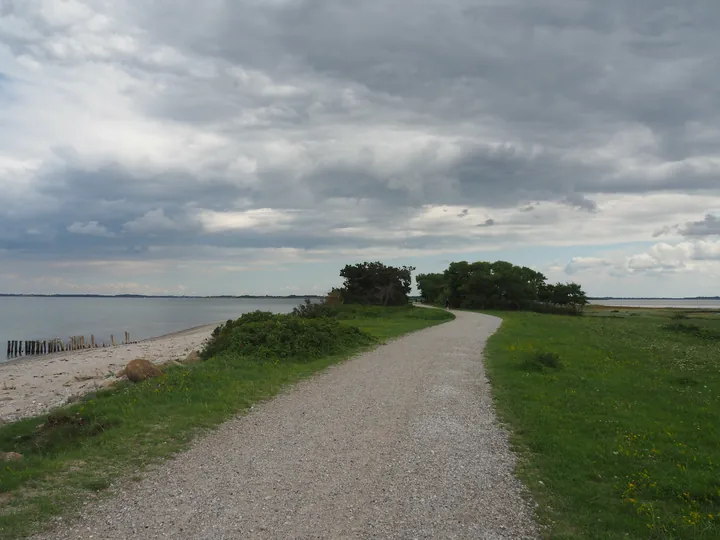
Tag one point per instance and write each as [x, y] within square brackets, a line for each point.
[581, 264]
[152, 222]
[261, 219]
[91, 228]
[684, 256]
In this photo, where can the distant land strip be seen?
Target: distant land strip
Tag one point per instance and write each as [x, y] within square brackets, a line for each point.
[157, 296]
[653, 298]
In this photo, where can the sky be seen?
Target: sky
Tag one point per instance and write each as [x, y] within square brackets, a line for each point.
[257, 146]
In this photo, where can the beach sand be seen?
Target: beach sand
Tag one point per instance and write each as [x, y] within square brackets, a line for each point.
[33, 385]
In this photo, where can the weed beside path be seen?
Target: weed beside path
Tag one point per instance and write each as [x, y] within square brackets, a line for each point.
[73, 455]
[616, 419]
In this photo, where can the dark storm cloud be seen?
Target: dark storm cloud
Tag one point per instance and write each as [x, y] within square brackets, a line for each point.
[538, 103]
[580, 201]
[707, 227]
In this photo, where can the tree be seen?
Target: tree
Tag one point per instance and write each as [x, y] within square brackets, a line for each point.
[376, 283]
[502, 285]
[432, 287]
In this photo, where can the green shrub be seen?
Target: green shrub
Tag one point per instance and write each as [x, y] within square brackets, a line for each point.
[314, 310]
[553, 309]
[679, 315]
[691, 330]
[267, 337]
[542, 360]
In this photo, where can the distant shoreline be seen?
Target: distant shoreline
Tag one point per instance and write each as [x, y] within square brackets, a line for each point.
[654, 298]
[300, 296]
[244, 296]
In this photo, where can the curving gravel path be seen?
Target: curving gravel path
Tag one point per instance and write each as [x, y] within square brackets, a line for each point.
[400, 442]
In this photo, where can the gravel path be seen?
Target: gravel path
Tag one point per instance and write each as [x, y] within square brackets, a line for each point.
[400, 442]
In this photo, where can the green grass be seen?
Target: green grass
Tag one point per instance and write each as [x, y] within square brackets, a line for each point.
[388, 322]
[76, 453]
[620, 438]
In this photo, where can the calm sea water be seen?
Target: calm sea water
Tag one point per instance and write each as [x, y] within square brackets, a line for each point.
[27, 318]
[686, 304]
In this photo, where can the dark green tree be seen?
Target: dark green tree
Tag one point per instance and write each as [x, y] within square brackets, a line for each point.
[432, 287]
[376, 283]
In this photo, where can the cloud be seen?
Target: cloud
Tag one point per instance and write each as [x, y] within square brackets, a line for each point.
[152, 221]
[582, 264]
[707, 227]
[684, 256]
[161, 131]
[580, 201]
[91, 228]
[665, 230]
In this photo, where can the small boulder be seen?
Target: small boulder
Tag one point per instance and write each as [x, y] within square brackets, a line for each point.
[192, 358]
[10, 456]
[141, 369]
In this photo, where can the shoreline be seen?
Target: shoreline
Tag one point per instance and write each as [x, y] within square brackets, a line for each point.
[33, 385]
[178, 333]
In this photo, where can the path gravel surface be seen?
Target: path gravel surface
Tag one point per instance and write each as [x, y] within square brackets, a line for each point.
[400, 442]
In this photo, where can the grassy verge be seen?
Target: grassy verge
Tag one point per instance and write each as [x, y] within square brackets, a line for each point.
[74, 454]
[616, 419]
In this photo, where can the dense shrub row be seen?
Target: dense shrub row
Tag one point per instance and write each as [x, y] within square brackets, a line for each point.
[268, 337]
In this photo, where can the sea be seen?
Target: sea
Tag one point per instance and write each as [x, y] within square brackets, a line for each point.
[660, 303]
[43, 318]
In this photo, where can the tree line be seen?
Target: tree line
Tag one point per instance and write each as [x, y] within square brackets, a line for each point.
[499, 285]
[478, 285]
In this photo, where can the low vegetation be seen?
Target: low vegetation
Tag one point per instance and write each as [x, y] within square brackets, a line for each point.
[616, 419]
[75, 453]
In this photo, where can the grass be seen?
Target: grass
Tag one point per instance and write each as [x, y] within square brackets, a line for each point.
[618, 432]
[74, 454]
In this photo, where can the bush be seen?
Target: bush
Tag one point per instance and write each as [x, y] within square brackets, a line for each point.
[556, 309]
[542, 360]
[691, 330]
[267, 337]
[679, 315]
[314, 310]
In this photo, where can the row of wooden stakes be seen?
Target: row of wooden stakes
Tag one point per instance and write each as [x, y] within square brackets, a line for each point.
[36, 347]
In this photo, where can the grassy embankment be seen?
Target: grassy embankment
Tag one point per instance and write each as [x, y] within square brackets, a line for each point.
[616, 419]
[76, 453]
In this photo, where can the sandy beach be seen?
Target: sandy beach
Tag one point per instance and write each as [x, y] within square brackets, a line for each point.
[31, 386]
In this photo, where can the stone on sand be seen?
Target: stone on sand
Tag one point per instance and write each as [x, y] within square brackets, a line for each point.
[140, 369]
